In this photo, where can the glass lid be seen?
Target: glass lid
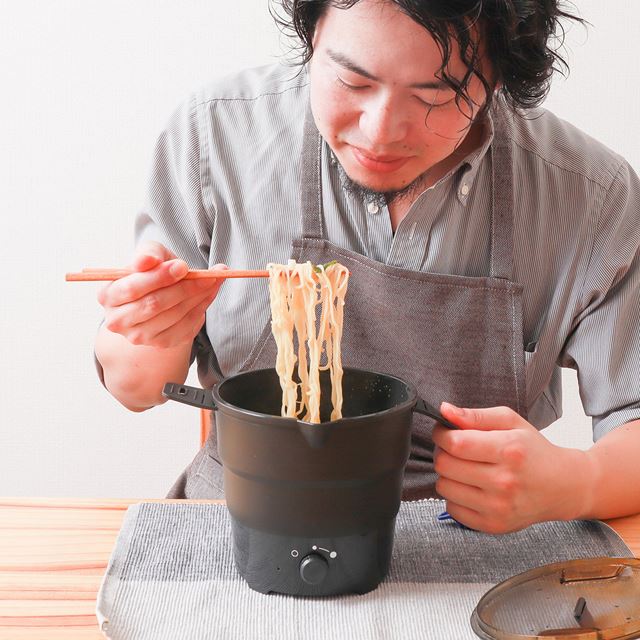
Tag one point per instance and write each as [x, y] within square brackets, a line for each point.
[590, 599]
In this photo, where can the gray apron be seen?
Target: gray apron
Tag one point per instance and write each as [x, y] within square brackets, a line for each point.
[455, 338]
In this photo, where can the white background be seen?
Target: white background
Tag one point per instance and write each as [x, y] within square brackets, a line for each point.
[86, 88]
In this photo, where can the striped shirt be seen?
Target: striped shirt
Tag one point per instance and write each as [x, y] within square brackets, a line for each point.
[223, 188]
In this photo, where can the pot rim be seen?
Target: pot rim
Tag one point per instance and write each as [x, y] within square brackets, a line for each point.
[227, 407]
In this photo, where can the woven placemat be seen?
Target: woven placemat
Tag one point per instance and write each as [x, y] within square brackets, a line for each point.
[171, 576]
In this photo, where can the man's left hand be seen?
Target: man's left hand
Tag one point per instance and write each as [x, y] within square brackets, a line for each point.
[498, 473]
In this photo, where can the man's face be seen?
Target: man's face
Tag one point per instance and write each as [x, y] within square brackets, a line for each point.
[375, 97]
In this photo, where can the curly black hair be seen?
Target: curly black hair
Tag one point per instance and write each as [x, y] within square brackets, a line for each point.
[521, 39]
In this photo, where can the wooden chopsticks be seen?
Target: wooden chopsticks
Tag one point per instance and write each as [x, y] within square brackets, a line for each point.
[94, 275]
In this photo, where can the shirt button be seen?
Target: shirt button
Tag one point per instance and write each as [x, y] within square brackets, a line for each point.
[372, 207]
[464, 190]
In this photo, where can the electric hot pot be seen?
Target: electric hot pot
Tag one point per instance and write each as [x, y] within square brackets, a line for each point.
[312, 506]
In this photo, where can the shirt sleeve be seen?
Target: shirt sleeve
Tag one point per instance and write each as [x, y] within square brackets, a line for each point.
[174, 212]
[604, 346]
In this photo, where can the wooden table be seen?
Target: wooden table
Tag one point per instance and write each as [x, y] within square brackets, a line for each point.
[53, 553]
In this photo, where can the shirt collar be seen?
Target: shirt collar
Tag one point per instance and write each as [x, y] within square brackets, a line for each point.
[468, 169]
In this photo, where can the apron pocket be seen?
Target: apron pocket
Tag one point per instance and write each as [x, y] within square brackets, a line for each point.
[543, 411]
[206, 481]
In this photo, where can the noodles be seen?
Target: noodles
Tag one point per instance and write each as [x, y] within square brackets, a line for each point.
[296, 292]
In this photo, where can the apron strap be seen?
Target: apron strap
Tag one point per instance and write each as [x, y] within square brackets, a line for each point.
[311, 179]
[501, 195]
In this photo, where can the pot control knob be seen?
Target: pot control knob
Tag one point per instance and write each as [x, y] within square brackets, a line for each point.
[313, 568]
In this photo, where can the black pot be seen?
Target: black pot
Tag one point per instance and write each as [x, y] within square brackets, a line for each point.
[313, 506]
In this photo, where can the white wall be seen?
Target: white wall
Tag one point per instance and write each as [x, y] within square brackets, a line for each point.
[86, 88]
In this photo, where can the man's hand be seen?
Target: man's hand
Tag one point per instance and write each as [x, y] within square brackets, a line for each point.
[155, 306]
[499, 474]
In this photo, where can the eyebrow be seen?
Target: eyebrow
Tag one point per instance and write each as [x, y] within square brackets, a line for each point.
[343, 61]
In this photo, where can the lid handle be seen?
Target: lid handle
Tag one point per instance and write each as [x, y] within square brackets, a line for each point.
[582, 614]
[575, 634]
[587, 630]
[588, 574]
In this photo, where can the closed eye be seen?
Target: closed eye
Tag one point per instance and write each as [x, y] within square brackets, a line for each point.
[352, 87]
[433, 105]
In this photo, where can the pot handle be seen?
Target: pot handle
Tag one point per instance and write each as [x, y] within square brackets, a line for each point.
[423, 407]
[194, 396]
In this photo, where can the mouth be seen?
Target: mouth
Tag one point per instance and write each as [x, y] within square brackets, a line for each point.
[379, 163]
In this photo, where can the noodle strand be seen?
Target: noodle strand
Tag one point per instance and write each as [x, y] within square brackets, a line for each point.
[299, 293]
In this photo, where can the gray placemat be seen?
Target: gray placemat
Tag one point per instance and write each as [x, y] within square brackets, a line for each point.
[171, 576]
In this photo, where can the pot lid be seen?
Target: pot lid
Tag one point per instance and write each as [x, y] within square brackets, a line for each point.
[589, 599]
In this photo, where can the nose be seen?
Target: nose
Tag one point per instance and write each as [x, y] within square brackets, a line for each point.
[382, 122]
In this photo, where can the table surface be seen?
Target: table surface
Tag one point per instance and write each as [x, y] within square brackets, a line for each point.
[54, 551]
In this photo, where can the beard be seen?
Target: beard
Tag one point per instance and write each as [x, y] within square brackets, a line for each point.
[379, 198]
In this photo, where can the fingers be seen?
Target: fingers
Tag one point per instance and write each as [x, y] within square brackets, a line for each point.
[144, 262]
[157, 302]
[462, 494]
[476, 474]
[463, 502]
[178, 328]
[466, 516]
[158, 307]
[491, 418]
[487, 521]
[478, 446]
[150, 254]
[137, 285]
[186, 329]
[179, 324]
[141, 321]
[472, 507]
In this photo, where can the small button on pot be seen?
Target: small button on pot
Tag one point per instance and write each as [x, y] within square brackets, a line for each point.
[313, 568]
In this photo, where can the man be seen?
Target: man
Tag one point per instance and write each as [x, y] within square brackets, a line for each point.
[489, 245]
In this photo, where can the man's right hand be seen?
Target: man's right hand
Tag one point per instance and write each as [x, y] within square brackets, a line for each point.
[156, 306]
